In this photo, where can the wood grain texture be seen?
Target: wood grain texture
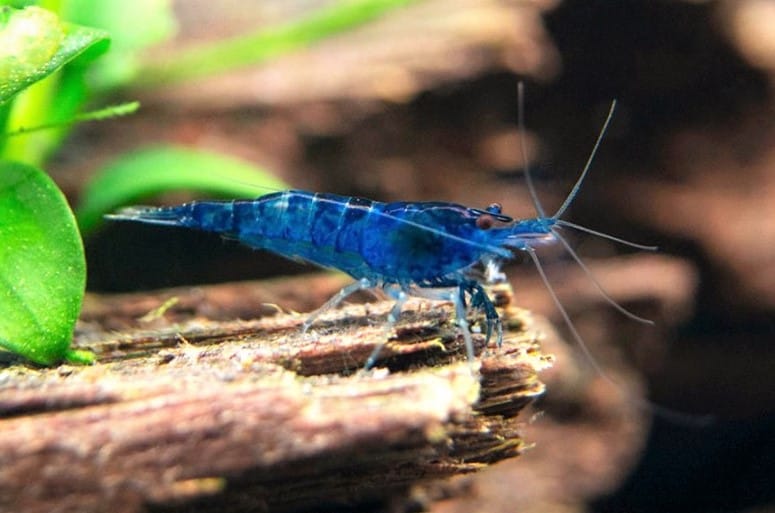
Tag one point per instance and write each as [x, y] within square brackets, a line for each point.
[209, 415]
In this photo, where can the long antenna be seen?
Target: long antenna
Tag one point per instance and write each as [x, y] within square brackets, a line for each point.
[525, 164]
[677, 417]
[597, 284]
[577, 186]
[568, 224]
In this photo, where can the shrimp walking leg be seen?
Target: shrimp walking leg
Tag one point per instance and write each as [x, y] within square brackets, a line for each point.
[400, 295]
[340, 296]
[480, 300]
[456, 296]
[462, 322]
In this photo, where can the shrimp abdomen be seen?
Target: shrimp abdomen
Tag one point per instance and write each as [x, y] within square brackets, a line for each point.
[325, 229]
[398, 242]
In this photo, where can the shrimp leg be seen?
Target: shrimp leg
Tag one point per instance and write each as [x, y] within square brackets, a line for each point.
[362, 284]
[400, 295]
[456, 296]
[480, 300]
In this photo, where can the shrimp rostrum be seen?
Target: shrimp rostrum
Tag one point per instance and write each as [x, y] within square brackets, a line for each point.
[430, 249]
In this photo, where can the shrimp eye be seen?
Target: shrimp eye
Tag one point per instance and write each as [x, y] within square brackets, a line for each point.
[485, 222]
[495, 208]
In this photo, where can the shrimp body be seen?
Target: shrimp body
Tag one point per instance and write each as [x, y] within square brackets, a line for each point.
[428, 244]
[400, 246]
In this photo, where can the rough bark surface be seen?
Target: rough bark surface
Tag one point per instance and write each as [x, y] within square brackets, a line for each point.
[188, 413]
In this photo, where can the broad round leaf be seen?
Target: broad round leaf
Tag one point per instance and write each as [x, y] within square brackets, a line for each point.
[153, 171]
[42, 267]
[34, 43]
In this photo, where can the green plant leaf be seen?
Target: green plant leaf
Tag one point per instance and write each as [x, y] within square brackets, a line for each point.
[152, 171]
[34, 43]
[42, 267]
[265, 44]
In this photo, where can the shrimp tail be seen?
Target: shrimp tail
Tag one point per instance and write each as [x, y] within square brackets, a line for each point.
[145, 214]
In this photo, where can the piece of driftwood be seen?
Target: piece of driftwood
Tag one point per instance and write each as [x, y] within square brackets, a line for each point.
[589, 434]
[255, 416]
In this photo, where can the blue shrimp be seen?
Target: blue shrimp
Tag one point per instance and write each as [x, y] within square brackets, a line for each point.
[430, 249]
[401, 247]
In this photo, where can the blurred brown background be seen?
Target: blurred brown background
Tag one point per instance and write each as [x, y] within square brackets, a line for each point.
[422, 105]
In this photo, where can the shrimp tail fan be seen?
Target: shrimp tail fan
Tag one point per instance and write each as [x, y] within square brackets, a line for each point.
[169, 216]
